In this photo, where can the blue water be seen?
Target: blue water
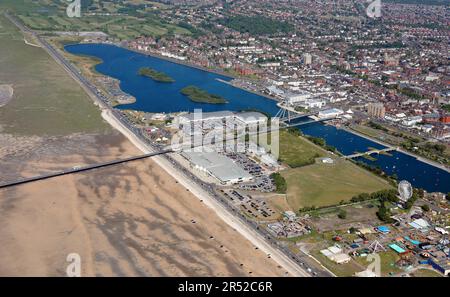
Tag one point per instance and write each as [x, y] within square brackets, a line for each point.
[152, 96]
[420, 174]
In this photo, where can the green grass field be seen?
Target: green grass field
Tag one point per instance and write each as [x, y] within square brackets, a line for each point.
[296, 151]
[46, 101]
[310, 183]
[21, 6]
[387, 264]
[327, 184]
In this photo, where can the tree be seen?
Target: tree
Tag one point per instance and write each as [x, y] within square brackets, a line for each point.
[280, 183]
[383, 213]
[413, 199]
[425, 207]
[342, 214]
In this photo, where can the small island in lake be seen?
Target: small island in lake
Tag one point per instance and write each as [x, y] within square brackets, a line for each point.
[201, 96]
[155, 75]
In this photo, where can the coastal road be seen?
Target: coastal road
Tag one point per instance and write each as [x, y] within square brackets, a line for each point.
[90, 89]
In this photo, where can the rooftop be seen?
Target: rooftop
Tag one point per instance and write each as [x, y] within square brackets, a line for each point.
[222, 167]
[251, 116]
[206, 115]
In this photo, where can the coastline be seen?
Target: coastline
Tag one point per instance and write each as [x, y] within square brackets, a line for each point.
[401, 150]
[228, 218]
[223, 213]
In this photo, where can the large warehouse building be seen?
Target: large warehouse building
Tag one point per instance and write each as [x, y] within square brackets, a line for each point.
[218, 166]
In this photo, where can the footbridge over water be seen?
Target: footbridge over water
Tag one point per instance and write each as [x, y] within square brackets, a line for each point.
[288, 114]
[372, 152]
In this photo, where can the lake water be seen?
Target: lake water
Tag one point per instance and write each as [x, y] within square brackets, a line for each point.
[420, 174]
[152, 96]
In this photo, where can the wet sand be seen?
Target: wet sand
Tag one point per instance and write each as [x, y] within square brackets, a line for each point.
[26, 156]
[127, 220]
[6, 94]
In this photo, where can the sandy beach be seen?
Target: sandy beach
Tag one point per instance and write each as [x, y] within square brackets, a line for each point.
[128, 220]
[27, 156]
[133, 219]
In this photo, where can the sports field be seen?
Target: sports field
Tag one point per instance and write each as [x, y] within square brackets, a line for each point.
[296, 151]
[46, 100]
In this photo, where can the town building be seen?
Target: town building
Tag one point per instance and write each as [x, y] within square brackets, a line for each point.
[294, 98]
[376, 110]
[330, 113]
[219, 166]
[250, 118]
[307, 59]
[313, 103]
[411, 121]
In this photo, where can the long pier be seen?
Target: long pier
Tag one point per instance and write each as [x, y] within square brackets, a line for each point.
[81, 169]
[372, 152]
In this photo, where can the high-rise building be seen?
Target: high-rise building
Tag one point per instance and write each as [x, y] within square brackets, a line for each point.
[376, 110]
[307, 59]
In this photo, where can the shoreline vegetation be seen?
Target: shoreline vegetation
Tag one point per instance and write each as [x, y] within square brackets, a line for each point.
[198, 95]
[155, 75]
